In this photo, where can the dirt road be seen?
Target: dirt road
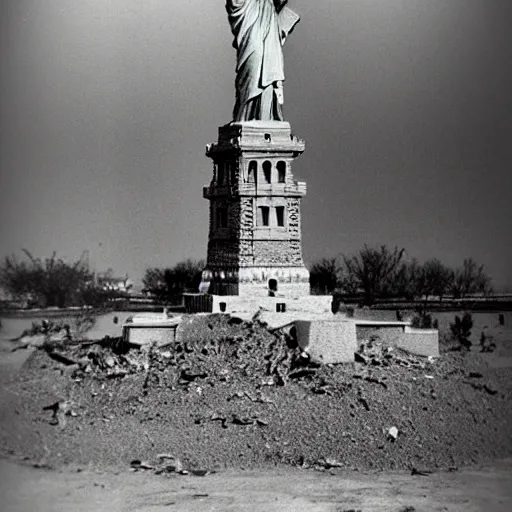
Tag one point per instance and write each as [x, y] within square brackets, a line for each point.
[25, 489]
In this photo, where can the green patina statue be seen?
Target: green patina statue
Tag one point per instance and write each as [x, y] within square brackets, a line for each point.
[260, 28]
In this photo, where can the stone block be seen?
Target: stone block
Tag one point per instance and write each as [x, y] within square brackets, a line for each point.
[329, 341]
[421, 342]
[146, 333]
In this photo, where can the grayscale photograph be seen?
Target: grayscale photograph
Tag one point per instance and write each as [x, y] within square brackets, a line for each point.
[256, 255]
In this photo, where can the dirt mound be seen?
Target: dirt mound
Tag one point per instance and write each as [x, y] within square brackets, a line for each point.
[233, 394]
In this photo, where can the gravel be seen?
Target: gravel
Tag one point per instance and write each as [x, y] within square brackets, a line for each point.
[233, 394]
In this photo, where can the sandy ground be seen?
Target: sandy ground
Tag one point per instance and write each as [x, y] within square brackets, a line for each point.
[25, 489]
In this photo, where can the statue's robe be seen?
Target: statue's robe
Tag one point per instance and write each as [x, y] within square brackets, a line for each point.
[260, 28]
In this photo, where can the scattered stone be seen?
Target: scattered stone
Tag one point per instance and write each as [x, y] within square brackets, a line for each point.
[189, 376]
[393, 433]
[59, 411]
[483, 387]
[146, 466]
[60, 357]
[323, 389]
[42, 465]
[178, 466]
[360, 358]
[490, 390]
[236, 420]
[420, 472]
[253, 420]
[364, 402]
[328, 463]
[110, 362]
[199, 472]
[303, 372]
[376, 381]
[117, 373]
[222, 419]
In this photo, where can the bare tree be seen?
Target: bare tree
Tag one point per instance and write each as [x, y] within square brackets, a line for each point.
[437, 278]
[49, 282]
[325, 275]
[407, 282]
[169, 284]
[470, 279]
[375, 271]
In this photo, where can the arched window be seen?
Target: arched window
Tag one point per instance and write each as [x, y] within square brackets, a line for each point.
[252, 171]
[281, 171]
[267, 171]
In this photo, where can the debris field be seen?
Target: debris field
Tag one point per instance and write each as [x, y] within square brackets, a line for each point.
[230, 393]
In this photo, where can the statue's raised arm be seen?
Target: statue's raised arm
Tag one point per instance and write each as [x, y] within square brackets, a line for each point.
[260, 28]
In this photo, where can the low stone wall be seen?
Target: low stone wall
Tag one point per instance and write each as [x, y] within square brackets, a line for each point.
[422, 342]
[387, 335]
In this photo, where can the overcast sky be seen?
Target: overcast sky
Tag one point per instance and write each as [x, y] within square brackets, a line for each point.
[107, 105]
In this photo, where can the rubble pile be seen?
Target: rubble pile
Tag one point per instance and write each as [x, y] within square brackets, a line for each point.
[373, 351]
[231, 393]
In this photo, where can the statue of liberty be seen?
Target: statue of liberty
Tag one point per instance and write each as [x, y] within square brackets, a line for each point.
[260, 28]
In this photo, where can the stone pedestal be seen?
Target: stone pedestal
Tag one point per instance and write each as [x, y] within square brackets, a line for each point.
[151, 328]
[329, 341]
[254, 243]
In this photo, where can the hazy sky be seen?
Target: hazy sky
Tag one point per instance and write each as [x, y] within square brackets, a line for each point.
[107, 105]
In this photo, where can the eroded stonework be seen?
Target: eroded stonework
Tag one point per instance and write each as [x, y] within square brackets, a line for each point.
[277, 253]
[254, 245]
[294, 217]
